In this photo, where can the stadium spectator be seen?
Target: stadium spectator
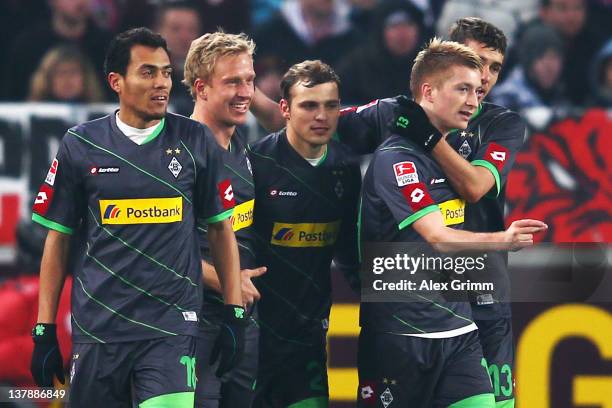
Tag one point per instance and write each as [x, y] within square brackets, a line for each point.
[179, 23]
[581, 41]
[65, 75]
[601, 77]
[70, 23]
[308, 29]
[507, 15]
[382, 67]
[536, 81]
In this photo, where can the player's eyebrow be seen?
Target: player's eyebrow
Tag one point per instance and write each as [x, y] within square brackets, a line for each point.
[153, 66]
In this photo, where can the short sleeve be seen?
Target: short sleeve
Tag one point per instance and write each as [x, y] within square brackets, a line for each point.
[214, 193]
[504, 139]
[59, 201]
[363, 128]
[400, 183]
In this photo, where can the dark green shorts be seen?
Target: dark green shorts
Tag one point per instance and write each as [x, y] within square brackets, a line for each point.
[157, 373]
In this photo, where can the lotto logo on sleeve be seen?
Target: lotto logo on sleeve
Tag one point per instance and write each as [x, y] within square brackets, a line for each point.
[50, 179]
[405, 173]
[497, 154]
[227, 194]
[43, 199]
[417, 196]
[141, 211]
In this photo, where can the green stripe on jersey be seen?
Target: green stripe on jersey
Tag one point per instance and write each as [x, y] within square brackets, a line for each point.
[51, 224]
[175, 400]
[156, 131]
[121, 315]
[492, 169]
[419, 214]
[219, 217]
[476, 401]
[505, 404]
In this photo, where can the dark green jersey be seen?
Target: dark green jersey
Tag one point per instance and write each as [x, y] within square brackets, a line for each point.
[138, 270]
[401, 186]
[304, 216]
[238, 168]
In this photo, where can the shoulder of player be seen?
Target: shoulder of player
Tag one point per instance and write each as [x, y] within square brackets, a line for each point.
[493, 112]
[266, 146]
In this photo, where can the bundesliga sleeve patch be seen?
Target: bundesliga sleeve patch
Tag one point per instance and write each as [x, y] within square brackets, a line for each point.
[405, 173]
[43, 199]
[50, 179]
[417, 196]
[227, 194]
[497, 155]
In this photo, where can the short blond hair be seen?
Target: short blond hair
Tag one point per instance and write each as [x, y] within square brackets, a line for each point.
[435, 61]
[206, 50]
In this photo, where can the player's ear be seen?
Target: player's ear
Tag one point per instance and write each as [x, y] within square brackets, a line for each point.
[284, 107]
[114, 81]
[427, 91]
[200, 87]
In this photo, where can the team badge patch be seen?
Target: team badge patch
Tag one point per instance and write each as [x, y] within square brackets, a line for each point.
[465, 149]
[497, 155]
[43, 199]
[386, 398]
[405, 173]
[175, 167]
[227, 194]
[50, 179]
[248, 163]
[417, 196]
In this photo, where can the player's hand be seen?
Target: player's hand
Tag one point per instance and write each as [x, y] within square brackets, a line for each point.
[46, 357]
[229, 345]
[411, 122]
[250, 294]
[520, 233]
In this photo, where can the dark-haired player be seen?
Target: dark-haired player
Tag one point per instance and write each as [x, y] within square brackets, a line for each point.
[135, 183]
[306, 191]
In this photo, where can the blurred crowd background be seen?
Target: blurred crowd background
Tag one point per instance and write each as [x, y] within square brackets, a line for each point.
[557, 73]
[560, 51]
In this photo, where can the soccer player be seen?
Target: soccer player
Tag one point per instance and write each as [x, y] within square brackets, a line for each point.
[426, 353]
[306, 191]
[490, 143]
[219, 73]
[133, 184]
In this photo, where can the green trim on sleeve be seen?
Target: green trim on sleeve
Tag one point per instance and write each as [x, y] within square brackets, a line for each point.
[475, 401]
[156, 132]
[419, 214]
[175, 400]
[492, 169]
[316, 402]
[505, 404]
[51, 225]
[219, 217]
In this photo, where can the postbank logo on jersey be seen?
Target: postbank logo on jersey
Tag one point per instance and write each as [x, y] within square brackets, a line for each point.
[497, 154]
[453, 211]
[142, 211]
[305, 234]
[242, 216]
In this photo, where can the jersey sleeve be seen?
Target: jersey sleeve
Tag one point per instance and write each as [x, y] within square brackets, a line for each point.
[59, 202]
[363, 128]
[497, 153]
[400, 181]
[214, 193]
[346, 257]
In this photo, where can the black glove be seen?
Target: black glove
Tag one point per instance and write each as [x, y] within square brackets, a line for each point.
[229, 345]
[46, 357]
[411, 122]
